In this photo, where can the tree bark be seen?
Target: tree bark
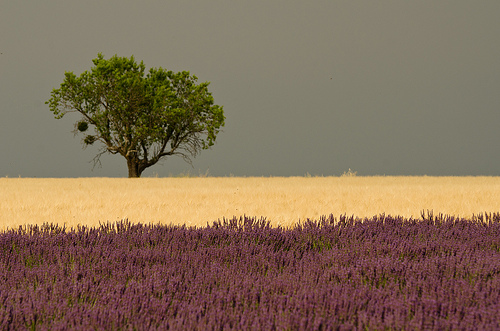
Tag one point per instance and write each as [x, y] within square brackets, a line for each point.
[133, 168]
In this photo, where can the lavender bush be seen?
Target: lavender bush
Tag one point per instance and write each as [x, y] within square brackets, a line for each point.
[381, 273]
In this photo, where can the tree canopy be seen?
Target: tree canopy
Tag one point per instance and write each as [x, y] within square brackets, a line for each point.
[141, 116]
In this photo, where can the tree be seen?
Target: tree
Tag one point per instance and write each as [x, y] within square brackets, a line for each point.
[143, 117]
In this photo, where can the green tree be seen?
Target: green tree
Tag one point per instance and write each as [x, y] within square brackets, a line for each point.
[141, 116]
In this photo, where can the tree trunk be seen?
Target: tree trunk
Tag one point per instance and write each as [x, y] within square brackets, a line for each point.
[133, 168]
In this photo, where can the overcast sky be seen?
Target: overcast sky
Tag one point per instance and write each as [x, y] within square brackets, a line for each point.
[381, 87]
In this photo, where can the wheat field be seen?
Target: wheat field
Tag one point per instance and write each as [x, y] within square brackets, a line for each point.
[196, 201]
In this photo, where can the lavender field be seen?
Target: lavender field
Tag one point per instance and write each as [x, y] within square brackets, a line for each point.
[438, 272]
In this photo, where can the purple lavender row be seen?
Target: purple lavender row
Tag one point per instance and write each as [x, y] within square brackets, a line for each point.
[385, 272]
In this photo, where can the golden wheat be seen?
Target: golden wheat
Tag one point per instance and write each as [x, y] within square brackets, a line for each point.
[198, 201]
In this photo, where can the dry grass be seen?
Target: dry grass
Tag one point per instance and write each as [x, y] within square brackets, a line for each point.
[196, 201]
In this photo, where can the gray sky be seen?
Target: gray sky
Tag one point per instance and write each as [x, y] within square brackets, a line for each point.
[381, 87]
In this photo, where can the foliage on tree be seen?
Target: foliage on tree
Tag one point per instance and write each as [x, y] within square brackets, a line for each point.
[141, 116]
